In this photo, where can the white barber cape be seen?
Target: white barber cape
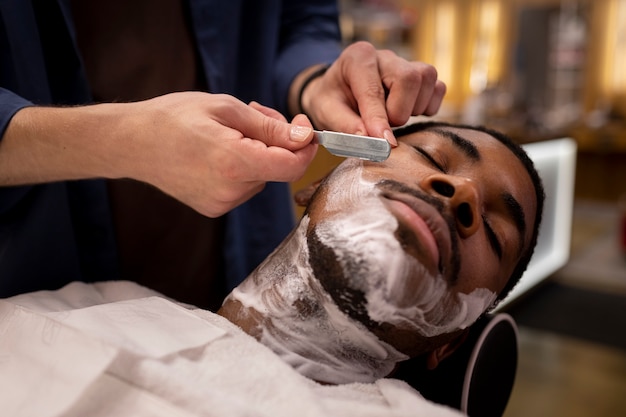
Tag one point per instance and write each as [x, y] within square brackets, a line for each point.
[119, 349]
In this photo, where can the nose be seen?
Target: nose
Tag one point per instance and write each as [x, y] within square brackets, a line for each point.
[463, 197]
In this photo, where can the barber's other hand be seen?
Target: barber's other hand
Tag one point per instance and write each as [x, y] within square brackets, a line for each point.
[368, 90]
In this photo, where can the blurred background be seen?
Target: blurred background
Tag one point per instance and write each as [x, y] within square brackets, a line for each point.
[539, 70]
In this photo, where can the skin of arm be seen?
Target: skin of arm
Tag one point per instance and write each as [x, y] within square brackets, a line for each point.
[197, 147]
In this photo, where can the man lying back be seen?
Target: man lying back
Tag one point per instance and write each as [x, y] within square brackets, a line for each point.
[391, 260]
[396, 259]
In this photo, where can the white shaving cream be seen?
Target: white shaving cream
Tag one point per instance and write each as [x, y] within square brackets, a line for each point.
[317, 339]
[363, 241]
[306, 328]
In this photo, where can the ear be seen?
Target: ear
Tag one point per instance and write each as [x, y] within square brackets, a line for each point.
[303, 197]
[442, 352]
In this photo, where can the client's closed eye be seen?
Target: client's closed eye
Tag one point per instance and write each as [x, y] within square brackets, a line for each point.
[426, 155]
[493, 239]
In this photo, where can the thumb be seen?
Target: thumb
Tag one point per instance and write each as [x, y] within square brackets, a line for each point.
[265, 127]
[268, 111]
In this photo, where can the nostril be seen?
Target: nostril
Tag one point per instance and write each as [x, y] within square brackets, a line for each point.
[443, 188]
[464, 214]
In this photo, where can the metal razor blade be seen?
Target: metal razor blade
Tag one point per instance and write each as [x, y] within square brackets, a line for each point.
[354, 146]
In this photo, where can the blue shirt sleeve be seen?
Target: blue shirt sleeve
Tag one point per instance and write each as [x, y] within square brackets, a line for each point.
[10, 103]
[310, 35]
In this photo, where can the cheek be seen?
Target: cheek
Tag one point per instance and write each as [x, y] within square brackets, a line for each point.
[480, 267]
[398, 167]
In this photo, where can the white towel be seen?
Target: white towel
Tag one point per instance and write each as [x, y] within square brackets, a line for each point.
[117, 349]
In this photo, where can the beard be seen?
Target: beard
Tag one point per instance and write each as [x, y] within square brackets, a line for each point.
[359, 260]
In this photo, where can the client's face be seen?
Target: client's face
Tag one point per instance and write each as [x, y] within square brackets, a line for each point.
[420, 245]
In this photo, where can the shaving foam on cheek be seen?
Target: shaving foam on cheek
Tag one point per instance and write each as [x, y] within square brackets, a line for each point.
[364, 243]
[304, 326]
[301, 322]
[342, 196]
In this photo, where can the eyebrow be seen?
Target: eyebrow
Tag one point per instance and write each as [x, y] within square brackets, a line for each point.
[468, 148]
[513, 207]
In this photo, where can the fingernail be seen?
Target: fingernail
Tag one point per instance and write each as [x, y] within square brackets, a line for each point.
[390, 138]
[299, 133]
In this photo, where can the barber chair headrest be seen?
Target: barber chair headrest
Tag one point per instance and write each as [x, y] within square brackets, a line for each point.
[476, 379]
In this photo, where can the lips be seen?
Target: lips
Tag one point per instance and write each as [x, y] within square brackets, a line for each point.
[426, 223]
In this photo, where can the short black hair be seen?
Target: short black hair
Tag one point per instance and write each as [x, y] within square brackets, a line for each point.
[521, 154]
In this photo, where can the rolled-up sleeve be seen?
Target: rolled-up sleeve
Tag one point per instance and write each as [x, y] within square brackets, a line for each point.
[10, 103]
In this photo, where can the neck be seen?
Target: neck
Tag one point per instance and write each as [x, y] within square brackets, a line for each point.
[284, 306]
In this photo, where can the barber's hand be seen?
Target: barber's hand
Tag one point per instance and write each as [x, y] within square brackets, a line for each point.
[368, 90]
[212, 152]
[215, 152]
